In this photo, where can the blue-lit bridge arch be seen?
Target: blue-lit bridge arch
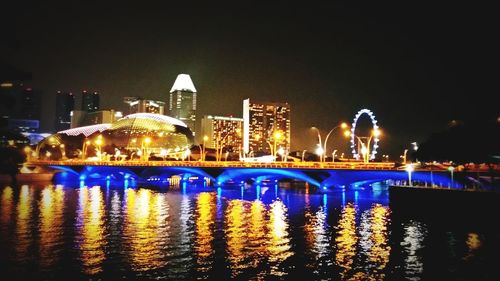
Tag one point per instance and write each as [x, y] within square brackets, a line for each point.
[224, 173]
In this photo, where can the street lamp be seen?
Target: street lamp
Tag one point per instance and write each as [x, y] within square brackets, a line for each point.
[99, 142]
[365, 148]
[343, 125]
[303, 152]
[277, 136]
[319, 143]
[451, 169]
[319, 151]
[409, 169]
[333, 155]
[404, 156]
[145, 144]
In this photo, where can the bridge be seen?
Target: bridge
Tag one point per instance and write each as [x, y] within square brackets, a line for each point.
[321, 174]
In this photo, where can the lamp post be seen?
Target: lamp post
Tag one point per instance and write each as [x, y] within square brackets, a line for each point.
[404, 156]
[277, 136]
[409, 169]
[451, 169]
[319, 142]
[63, 151]
[99, 142]
[343, 125]
[365, 149]
[303, 152]
[145, 144]
[333, 155]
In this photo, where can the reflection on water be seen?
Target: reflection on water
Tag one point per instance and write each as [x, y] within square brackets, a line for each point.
[145, 233]
[139, 233]
[346, 240]
[205, 220]
[51, 207]
[24, 233]
[91, 229]
[413, 242]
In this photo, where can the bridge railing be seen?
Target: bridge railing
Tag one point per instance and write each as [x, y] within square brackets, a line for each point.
[221, 164]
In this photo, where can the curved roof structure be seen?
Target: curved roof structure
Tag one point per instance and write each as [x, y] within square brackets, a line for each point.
[183, 83]
[149, 117]
[85, 130]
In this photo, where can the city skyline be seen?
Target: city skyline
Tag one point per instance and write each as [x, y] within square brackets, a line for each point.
[416, 68]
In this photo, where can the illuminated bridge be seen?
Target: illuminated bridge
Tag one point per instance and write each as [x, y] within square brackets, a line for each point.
[320, 174]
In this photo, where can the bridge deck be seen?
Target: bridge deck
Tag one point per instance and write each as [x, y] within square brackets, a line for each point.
[222, 164]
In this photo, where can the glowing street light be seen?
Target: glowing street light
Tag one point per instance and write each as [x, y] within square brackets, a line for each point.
[451, 169]
[409, 169]
[303, 152]
[277, 136]
[319, 151]
[365, 148]
[333, 155]
[99, 143]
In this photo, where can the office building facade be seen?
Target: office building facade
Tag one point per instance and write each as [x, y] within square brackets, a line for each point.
[140, 105]
[266, 125]
[90, 101]
[182, 101]
[223, 130]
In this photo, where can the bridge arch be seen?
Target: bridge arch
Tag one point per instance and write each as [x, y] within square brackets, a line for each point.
[242, 174]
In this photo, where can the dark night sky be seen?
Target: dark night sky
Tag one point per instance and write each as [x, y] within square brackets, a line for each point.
[417, 67]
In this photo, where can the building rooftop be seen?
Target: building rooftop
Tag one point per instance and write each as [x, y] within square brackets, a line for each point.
[183, 83]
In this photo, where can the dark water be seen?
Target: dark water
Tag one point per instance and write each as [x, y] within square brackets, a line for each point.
[250, 233]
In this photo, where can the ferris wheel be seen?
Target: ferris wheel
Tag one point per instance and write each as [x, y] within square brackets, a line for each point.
[356, 141]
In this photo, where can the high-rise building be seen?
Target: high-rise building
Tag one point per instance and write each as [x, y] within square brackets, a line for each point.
[223, 131]
[266, 126]
[140, 105]
[65, 103]
[90, 101]
[182, 101]
[20, 103]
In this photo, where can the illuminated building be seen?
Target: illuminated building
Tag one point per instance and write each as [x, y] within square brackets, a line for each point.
[65, 103]
[261, 121]
[134, 134]
[140, 105]
[226, 131]
[182, 101]
[90, 101]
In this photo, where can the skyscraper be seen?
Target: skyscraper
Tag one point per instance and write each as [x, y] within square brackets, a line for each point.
[182, 101]
[266, 126]
[65, 103]
[223, 131]
[90, 101]
[140, 105]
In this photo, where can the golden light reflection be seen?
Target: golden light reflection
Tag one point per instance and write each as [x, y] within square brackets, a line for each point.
[316, 233]
[144, 231]
[92, 229]
[346, 239]
[6, 206]
[279, 240]
[473, 244]
[236, 236]
[51, 221]
[24, 236]
[380, 250]
[257, 233]
[205, 220]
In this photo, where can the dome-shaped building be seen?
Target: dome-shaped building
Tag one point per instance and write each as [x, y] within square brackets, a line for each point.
[153, 132]
[131, 136]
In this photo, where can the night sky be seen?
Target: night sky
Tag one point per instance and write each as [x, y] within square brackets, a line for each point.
[417, 67]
